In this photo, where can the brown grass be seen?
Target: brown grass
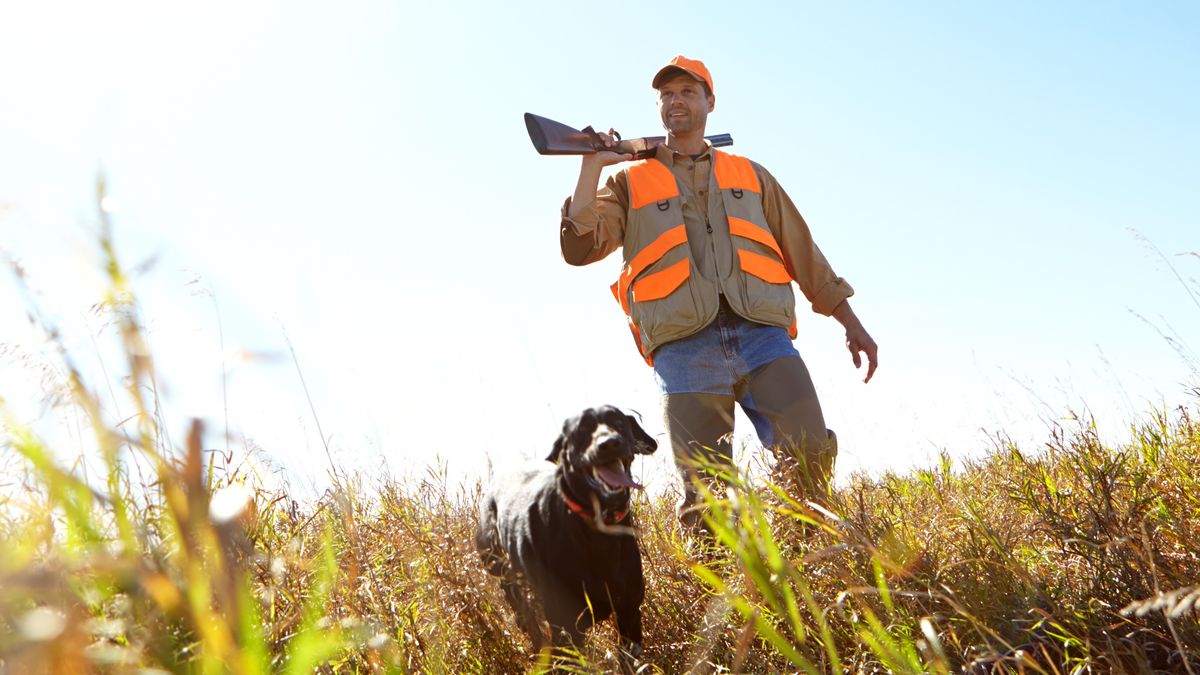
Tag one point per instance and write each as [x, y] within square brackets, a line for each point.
[1075, 557]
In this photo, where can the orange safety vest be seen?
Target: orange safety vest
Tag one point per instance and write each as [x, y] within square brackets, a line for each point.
[661, 297]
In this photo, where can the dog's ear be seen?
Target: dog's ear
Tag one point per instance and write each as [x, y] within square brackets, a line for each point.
[644, 443]
[556, 451]
[563, 440]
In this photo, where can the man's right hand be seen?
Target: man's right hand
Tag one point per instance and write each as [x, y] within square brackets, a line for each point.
[589, 172]
[605, 157]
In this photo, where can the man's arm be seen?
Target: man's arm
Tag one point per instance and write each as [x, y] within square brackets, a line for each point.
[593, 219]
[589, 175]
[826, 291]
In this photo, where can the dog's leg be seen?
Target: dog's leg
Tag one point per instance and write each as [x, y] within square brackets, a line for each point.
[629, 628]
[517, 594]
[567, 645]
[487, 541]
[628, 609]
[567, 625]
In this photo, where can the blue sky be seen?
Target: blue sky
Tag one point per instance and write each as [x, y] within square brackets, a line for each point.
[997, 181]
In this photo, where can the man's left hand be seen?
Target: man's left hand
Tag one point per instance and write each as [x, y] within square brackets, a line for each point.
[858, 341]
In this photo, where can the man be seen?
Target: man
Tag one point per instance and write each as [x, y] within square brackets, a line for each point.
[711, 244]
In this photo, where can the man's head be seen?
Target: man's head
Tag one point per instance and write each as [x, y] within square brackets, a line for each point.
[685, 95]
[682, 64]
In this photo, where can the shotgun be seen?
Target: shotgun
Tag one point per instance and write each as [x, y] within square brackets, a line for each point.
[555, 138]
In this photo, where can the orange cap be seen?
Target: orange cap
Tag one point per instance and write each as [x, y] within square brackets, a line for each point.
[693, 67]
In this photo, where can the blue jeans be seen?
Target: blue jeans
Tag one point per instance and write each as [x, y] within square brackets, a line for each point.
[736, 361]
[721, 359]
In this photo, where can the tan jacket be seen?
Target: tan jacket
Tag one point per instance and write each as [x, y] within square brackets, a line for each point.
[609, 223]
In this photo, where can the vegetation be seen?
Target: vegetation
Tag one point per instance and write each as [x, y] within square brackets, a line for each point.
[1074, 558]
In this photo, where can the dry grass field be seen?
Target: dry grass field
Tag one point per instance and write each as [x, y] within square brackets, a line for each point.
[1073, 557]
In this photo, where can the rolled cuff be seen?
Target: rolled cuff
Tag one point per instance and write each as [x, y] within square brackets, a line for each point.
[584, 223]
[830, 296]
[577, 238]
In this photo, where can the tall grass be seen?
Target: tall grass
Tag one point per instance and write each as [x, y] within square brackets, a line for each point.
[1077, 558]
[1070, 558]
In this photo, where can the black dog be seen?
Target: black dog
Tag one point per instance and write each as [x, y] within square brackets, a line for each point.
[565, 530]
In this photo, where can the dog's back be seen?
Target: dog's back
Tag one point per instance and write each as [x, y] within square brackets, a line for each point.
[506, 512]
[505, 540]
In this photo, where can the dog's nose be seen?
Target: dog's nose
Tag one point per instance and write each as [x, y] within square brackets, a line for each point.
[610, 443]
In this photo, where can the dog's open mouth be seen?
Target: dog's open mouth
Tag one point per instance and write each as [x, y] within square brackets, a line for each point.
[613, 477]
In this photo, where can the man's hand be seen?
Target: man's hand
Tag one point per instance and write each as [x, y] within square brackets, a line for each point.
[858, 340]
[589, 173]
[605, 157]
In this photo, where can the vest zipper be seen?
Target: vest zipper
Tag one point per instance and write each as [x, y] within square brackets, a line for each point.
[716, 262]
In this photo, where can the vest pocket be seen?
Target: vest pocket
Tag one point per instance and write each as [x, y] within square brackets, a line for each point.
[659, 285]
[766, 302]
[767, 269]
[766, 289]
[664, 306]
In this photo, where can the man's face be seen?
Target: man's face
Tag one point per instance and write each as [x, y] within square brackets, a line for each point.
[683, 105]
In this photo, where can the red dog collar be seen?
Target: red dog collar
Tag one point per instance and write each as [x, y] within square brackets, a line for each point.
[578, 510]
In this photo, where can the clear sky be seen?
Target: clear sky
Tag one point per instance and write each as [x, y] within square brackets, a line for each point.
[1012, 188]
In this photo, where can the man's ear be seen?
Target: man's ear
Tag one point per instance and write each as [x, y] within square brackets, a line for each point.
[712, 102]
[644, 443]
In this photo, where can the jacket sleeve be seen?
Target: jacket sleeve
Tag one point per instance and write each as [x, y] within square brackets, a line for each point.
[600, 229]
[805, 262]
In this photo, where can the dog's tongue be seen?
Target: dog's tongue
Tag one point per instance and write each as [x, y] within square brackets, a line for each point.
[613, 474]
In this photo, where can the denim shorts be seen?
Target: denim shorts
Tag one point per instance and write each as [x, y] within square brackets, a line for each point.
[720, 356]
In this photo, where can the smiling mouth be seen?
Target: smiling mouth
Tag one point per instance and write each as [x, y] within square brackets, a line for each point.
[613, 478]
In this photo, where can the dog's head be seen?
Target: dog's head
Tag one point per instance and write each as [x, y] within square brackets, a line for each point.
[594, 453]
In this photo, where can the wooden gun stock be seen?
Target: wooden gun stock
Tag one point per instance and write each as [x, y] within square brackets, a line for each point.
[555, 138]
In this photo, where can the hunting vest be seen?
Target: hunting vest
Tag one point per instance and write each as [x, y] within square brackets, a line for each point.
[663, 295]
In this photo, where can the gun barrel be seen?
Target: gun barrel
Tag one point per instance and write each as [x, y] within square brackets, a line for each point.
[555, 138]
[720, 140]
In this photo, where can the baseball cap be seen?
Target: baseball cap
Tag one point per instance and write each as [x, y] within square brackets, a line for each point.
[693, 67]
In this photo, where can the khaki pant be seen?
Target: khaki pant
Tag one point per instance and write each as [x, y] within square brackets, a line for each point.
[779, 397]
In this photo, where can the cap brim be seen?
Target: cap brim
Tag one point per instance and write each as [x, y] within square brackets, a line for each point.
[671, 71]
